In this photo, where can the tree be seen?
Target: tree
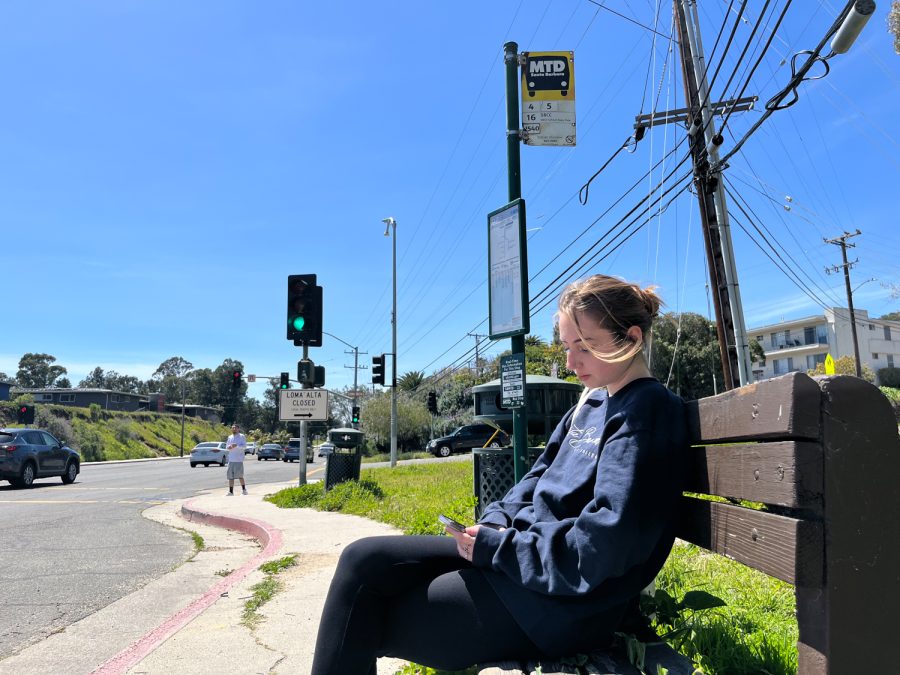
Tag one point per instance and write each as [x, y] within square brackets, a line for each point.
[411, 381]
[413, 421]
[846, 365]
[893, 21]
[689, 362]
[64, 383]
[6, 378]
[36, 371]
[892, 316]
[96, 379]
[174, 366]
[126, 383]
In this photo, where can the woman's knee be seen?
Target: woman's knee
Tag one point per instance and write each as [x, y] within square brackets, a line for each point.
[361, 556]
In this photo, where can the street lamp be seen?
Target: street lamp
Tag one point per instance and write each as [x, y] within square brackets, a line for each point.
[355, 371]
[388, 224]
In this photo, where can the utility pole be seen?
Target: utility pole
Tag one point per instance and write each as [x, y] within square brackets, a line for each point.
[477, 353]
[704, 144]
[842, 242]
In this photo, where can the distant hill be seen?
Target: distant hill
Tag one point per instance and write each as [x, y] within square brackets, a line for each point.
[105, 435]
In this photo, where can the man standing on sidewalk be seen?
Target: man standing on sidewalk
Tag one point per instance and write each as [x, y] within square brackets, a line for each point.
[235, 446]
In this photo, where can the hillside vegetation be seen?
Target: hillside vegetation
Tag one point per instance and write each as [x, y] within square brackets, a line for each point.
[106, 435]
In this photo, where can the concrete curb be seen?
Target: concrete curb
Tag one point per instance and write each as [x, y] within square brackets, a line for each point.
[270, 538]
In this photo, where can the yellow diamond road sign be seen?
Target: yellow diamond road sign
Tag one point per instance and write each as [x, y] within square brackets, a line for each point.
[548, 98]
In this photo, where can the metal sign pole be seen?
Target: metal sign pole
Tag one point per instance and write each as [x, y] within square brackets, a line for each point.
[520, 415]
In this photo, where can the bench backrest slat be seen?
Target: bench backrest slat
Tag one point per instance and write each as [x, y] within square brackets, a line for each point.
[782, 473]
[761, 540]
[784, 408]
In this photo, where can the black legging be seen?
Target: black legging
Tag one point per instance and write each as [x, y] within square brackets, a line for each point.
[413, 598]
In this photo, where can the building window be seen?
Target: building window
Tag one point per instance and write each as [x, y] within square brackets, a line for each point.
[809, 335]
[890, 360]
[779, 366]
[887, 333]
[874, 356]
[812, 360]
[822, 334]
[871, 326]
[67, 398]
[43, 397]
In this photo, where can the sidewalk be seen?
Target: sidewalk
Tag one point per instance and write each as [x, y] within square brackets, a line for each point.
[189, 621]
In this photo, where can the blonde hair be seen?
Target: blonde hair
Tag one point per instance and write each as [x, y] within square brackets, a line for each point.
[616, 305]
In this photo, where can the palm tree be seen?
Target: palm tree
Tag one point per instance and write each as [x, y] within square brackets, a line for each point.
[411, 381]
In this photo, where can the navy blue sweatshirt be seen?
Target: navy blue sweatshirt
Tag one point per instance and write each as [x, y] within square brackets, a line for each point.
[593, 521]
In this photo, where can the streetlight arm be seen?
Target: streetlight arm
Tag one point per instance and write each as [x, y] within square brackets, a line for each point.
[339, 339]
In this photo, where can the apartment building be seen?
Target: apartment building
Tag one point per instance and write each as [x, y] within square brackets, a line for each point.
[801, 344]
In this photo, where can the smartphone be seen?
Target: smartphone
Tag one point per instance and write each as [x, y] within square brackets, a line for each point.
[452, 524]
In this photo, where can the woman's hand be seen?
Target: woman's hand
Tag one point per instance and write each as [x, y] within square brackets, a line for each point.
[465, 541]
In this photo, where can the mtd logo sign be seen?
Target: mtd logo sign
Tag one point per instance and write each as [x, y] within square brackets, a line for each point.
[548, 72]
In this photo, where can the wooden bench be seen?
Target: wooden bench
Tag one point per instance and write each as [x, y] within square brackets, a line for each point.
[823, 455]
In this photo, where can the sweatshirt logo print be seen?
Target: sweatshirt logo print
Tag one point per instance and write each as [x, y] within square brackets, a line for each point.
[584, 441]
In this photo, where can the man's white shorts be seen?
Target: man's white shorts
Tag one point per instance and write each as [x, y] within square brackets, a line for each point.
[235, 470]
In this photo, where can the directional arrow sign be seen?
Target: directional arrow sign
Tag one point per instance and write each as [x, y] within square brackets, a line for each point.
[304, 405]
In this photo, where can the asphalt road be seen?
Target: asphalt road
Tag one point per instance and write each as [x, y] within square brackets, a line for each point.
[68, 550]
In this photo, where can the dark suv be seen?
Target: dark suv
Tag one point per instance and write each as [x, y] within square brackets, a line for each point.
[292, 451]
[26, 454]
[468, 437]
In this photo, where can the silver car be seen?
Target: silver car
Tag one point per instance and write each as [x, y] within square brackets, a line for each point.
[209, 453]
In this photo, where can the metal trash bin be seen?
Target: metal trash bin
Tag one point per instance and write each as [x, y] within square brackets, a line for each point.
[344, 462]
[340, 466]
[495, 475]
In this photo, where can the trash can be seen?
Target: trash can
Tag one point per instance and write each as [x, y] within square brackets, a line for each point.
[495, 475]
[343, 463]
[340, 466]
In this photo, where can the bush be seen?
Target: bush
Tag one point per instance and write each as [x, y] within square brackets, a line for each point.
[58, 426]
[889, 377]
[90, 444]
[95, 412]
[123, 430]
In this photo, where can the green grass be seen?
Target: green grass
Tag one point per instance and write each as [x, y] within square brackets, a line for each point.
[756, 632]
[266, 589]
[408, 497]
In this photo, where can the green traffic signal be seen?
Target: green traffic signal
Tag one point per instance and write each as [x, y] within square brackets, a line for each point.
[299, 322]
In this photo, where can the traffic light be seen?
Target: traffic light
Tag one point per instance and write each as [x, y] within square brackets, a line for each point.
[432, 402]
[306, 372]
[354, 415]
[236, 378]
[285, 381]
[319, 376]
[378, 370]
[25, 414]
[304, 310]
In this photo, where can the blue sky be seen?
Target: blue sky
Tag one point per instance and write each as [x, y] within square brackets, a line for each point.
[165, 165]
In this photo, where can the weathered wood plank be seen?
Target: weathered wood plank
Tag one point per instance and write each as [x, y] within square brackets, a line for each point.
[782, 408]
[786, 548]
[783, 473]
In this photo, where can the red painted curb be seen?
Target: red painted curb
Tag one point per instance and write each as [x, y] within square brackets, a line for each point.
[269, 537]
